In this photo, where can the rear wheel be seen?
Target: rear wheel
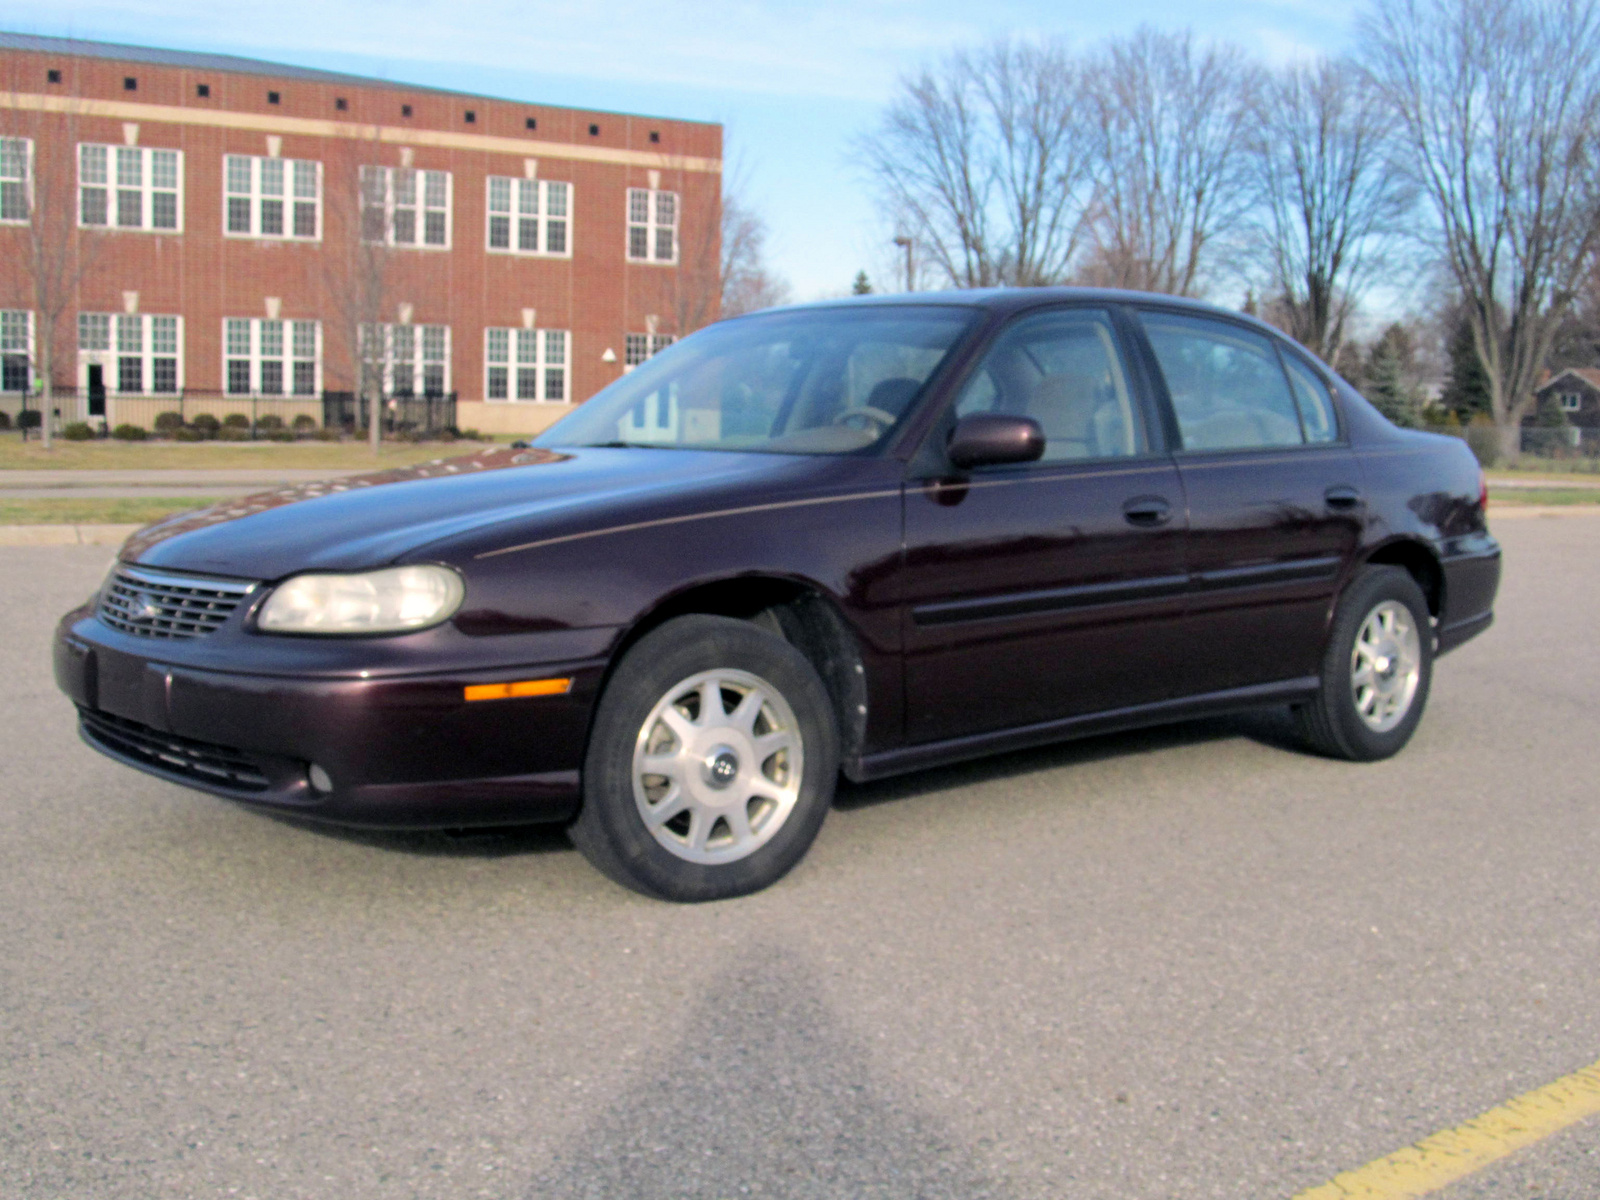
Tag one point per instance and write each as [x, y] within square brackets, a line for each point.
[711, 764]
[1376, 672]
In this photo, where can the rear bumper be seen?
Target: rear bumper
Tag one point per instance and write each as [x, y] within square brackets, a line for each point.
[1471, 581]
[401, 751]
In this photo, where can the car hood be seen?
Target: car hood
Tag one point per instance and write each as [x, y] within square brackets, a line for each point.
[365, 521]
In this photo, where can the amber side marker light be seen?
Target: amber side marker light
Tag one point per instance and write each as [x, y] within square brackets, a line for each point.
[523, 687]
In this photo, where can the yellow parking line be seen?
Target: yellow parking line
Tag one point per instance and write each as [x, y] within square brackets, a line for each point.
[1454, 1153]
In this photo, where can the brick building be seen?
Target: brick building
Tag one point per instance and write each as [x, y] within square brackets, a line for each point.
[240, 233]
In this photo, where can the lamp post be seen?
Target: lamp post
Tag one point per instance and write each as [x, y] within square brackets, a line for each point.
[904, 240]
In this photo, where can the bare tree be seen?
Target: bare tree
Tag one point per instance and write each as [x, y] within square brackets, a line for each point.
[722, 268]
[48, 256]
[357, 265]
[1170, 120]
[1326, 193]
[1499, 103]
[983, 162]
[747, 282]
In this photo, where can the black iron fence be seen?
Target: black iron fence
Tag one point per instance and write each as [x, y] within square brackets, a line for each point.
[401, 414]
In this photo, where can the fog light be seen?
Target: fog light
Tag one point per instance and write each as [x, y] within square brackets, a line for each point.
[320, 780]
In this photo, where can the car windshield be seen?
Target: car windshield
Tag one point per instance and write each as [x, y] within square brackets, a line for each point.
[805, 381]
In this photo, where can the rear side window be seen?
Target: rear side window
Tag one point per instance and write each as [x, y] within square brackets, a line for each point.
[1311, 394]
[1061, 368]
[1228, 389]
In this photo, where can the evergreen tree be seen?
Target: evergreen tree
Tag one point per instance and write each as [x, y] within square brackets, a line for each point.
[1390, 368]
[862, 286]
[1466, 389]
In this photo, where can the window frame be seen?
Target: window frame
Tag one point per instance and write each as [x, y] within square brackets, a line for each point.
[256, 198]
[419, 361]
[1169, 413]
[652, 345]
[287, 358]
[513, 362]
[26, 181]
[111, 355]
[652, 225]
[420, 208]
[28, 351]
[1575, 406]
[146, 189]
[514, 216]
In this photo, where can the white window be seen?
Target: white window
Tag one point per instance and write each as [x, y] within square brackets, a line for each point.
[130, 187]
[402, 207]
[272, 197]
[272, 358]
[412, 360]
[639, 346]
[16, 179]
[1571, 401]
[16, 352]
[138, 353]
[652, 226]
[526, 364]
[529, 216]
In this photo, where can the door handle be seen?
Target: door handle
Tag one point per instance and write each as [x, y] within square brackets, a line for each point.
[1147, 511]
[1342, 497]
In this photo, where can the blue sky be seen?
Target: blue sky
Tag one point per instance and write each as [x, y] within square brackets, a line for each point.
[795, 84]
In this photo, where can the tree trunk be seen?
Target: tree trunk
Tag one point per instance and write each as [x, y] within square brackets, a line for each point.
[375, 413]
[47, 397]
[1510, 431]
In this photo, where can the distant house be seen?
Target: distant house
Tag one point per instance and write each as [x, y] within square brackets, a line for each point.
[1577, 391]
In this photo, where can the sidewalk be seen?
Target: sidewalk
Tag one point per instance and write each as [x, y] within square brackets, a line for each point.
[125, 485]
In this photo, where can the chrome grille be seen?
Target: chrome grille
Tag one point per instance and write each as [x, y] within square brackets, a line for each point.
[220, 765]
[161, 605]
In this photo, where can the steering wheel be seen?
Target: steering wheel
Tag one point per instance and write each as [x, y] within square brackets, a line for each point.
[877, 415]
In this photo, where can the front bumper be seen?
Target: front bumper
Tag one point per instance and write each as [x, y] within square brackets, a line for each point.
[403, 751]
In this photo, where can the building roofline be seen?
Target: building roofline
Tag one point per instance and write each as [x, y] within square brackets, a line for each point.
[205, 61]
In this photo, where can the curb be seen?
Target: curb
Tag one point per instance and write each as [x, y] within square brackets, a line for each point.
[65, 535]
[1499, 512]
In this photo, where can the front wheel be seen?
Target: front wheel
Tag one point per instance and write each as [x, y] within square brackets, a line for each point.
[711, 764]
[1376, 672]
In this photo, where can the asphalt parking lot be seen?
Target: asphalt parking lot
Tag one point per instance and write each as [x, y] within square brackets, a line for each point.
[1188, 963]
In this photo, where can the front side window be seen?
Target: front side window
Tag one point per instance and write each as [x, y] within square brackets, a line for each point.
[818, 381]
[264, 357]
[526, 364]
[407, 360]
[139, 353]
[16, 179]
[1227, 384]
[16, 351]
[130, 187]
[405, 207]
[1062, 368]
[529, 216]
[652, 226]
[272, 197]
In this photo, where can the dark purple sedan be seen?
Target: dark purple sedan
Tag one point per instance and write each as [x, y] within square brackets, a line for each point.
[865, 537]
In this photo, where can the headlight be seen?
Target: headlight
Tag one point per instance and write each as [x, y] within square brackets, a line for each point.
[387, 601]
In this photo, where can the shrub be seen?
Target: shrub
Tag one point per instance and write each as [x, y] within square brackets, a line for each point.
[304, 423]
[327, 435]
[236, 421]
[206, 424]
[188, 433]
[29, 419]
[470, 435]
[280, 435]
[77, 431]
[269, 422]
[233, 433]
[168, 422]
[129, 433]
[5, 419]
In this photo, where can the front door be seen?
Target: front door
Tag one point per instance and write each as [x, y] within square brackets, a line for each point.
[97, 390]
[1055, 588]
[1275, 507]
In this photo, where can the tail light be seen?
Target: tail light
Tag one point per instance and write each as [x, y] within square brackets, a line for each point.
[1483, 492]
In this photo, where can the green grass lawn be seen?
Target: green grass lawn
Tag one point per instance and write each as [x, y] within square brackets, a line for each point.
[112, 455]
[91, 511]
[1511, 497]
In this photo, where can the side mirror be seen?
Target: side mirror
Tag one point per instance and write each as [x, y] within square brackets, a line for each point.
[989, 439]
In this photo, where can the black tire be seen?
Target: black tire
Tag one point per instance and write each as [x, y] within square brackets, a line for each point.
[611, 830]
[1331, 724]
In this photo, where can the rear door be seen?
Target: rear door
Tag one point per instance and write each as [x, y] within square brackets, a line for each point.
[1275, 506]
[1054, 588]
